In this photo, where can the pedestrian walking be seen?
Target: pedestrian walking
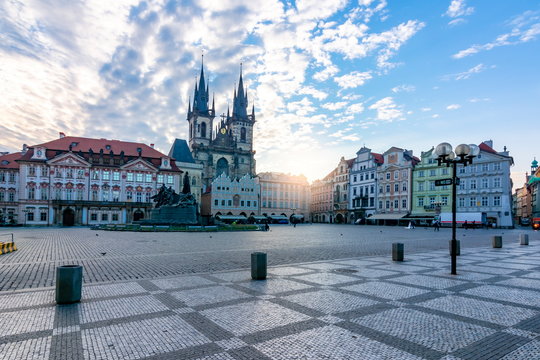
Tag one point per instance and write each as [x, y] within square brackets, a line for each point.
[465, 225]
[436, 225]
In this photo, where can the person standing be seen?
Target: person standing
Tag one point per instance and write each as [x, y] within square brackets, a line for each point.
[436, 225]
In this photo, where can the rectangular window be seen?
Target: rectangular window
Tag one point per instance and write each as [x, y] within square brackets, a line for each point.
[354, 191]
[461, 202]
[420, 186]
[497, 182]
[404, 203]
[444, 171]
[31, 171]
[420, 201]
[380, 189]
[2, 196]
[396, 187]
[105, 195]
[248, 203]
[106, 175]
[95, 175]
[485, 183]
[222, 202]
[129, 176]
[497, 166]
[147, 197]
[170, 179]
[104, 217]
[116, 195]
[58, 194]
[12, 177]
[462, 184]
[139, 197]
[94, 195]
[380, 204]
[372, 189]
[80, 174]
[116, 175]
[148, 178]
[484, 201]
[30, 216]
[11, 197]
[421, 173]
[216, 202]
[462, 170]
[387, 176]
[396, 204]
[432, 185]
[388, 204]
[2, 177]
[404, 186]
[496, 201]
[31, 194]
[472, 201]
[93, 216]
[160, 179]
[69, 173]
[485, 167]
[114, 217]
[432, 172]
[473, 184]
[396, 174]
[432, 200]
[129, 196]
[43, 216]
[444, 200]
[69, 194]
[79, 194]
[139, 177]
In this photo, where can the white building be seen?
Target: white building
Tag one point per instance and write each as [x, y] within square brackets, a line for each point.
[284, 195]
[486, 186]
[363, 184]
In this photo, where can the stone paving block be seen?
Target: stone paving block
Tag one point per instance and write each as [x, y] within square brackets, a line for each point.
[234, 276]
[232, 343]
[432, 282]
[523, 333]
[252, 316]
[494, 346]
[533, 274]
[386, 290]
[529, 351]
[26, 321]
[100, 291]
[182, 282]
[208, 295]
[219, 356]
[521, 282]
[486, 269]
[432, 331]
[329, 342]
[288, 270]
[375, 273]
[402, 267]
[119, 308]
[323, 266]
[326, 278]
[274, 285]
[330, 302]
[139, 339]
[480, 310]
[508, 265]
[329, 319]
[461, 275]
[502, 293]
[358, 262]
[35, 349]
[26, 299]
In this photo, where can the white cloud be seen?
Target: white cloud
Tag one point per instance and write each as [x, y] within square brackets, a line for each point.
[459, 8]
[453, 107]
[475, 100]
[334, 106]
[317, 94]
[435, 116]
[424, 109]
[356, 108]
[325, 74]
[403, 88]
[467, 74]
[526, 27]
[387, 110]
[354, 79]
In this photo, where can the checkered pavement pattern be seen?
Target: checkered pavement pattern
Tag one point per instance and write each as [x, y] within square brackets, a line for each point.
[364, 308]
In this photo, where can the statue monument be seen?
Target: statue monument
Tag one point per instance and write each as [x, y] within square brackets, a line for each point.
[174, 209]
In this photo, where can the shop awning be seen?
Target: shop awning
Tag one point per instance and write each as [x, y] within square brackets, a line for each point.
[386, 217]
[298, 216]
[231, 217]
[258, 217]
[277, 217]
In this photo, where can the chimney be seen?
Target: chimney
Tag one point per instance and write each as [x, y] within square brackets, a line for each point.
[62, 135]
[489, 143]
[152, 146]
[24, 149]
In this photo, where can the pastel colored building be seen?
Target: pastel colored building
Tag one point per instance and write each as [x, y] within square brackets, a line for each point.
[363, 184]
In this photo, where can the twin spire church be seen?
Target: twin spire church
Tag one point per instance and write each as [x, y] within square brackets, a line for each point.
[223, 145]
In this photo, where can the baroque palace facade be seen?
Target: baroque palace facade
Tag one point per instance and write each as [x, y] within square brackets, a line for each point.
[83, 181]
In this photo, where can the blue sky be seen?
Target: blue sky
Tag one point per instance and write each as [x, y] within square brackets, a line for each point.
[326, 77]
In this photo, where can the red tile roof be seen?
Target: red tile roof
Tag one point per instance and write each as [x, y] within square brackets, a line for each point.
[8, 161]
[84, 144]
[379, 159]
[350, 162]
[487, 148]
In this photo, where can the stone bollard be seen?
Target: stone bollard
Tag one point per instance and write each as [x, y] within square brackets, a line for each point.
[397, 251]
[523, 239]
[258, 266]
[458, 247]
[496, 241]
[68, 284]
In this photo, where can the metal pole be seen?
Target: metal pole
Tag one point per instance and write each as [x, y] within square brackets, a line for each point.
[454, 241]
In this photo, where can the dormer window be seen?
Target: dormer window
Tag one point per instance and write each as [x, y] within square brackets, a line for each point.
[108, 147]
[73, 144]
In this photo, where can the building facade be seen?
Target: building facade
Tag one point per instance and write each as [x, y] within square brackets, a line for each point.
[341, 191]
[486, 187]
[394, 184]
[84, 181]
[9, 188]
[322, 200]
[363, 184]
[430, 200]
[285, 194]
[534, 189]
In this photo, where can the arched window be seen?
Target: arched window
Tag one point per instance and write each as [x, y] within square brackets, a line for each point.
[222, 167]
[243, 134]
[203, 130]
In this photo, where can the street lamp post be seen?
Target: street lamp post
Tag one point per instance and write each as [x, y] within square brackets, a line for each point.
[463, 154]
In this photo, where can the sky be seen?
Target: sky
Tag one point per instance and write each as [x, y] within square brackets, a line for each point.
[326, 77]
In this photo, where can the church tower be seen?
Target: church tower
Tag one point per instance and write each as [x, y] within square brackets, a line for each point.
[240, 123]
[200, 116]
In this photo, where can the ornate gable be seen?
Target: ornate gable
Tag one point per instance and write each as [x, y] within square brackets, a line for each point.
[68, 159]
[139, 165]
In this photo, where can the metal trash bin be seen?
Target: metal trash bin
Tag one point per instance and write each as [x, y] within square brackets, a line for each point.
[258, 265]
[68, 284]
[523, 239]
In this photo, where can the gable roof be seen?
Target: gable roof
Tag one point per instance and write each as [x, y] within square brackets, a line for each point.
[485, 147]
[9, 161]
[379, 159]
[84, 144]
[180, 151]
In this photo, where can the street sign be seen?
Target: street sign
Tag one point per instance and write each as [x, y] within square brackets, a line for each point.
[445, 182]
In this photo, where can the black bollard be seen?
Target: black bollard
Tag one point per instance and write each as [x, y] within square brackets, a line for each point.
[496, 241]
[523, 239]
[397, 251]
[68, 284]
[258, 266]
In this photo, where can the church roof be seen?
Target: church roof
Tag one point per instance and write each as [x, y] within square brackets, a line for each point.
[180, 151]
[8, 161]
